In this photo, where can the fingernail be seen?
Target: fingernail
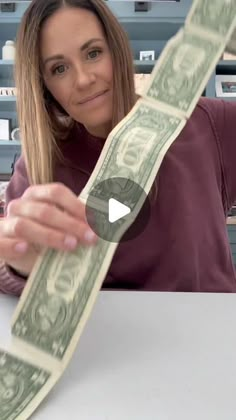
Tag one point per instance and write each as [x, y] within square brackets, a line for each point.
[70, 242]
[89, 236]
[21, 247]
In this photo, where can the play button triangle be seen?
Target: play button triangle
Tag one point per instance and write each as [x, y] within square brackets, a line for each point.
[116, 210]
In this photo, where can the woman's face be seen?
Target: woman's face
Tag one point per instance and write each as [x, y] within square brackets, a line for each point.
[77, 67]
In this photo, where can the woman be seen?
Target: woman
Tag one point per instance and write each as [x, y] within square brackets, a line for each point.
[74, 86]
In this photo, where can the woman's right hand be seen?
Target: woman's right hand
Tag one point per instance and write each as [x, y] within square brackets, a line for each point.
[49, 215]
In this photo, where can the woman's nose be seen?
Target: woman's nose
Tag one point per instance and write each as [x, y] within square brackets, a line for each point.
[83, 76]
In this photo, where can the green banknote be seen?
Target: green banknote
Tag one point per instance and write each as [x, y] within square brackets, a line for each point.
[183, 70]
[58, 298]
[134, 149]
[20, 382]
[62, 288]
[213, 15]
[64, 282]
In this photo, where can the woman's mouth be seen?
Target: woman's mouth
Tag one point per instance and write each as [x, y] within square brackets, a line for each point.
[94, 99]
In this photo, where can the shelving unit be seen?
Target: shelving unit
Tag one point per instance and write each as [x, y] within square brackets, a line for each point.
[9, 143]
[223, 67]
[144, 66]
[8, 99]
[9, 23]
[146, 31]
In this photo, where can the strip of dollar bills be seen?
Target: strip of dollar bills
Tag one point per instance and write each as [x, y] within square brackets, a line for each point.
[63, 287]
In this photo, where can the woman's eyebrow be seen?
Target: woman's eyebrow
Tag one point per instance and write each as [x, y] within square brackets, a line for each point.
[82, 48]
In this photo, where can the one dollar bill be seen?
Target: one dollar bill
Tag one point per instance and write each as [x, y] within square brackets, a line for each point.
[63, 287]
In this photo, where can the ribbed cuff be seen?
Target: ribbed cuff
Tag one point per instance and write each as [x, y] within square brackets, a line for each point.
[9, 282]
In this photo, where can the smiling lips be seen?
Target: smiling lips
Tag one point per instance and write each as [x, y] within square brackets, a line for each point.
[90, 98]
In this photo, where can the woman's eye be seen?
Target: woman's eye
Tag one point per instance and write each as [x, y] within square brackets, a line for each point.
[58, 69]
[94, 54]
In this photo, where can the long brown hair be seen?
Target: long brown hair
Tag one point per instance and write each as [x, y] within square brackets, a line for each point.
[40, 116]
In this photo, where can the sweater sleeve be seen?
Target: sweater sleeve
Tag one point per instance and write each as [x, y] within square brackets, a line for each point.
[18, 183]
[224, 117]
[9, 281]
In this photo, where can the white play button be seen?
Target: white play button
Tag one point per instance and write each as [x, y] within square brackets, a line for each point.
[111, 209]
[116, 210]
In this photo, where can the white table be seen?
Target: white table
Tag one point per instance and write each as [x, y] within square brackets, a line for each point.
[148, 356]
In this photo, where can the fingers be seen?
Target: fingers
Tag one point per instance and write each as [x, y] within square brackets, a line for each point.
[18, 254]
[59, 195]
[33, 232]
[47, 215]
[12, 248]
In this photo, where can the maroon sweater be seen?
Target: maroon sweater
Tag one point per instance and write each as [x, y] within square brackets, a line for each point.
[185, 245]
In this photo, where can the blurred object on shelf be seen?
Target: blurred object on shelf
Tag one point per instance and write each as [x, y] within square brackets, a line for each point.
[15, 134]
[147, 55]
[9, 50]
[225, 85]
[232, 211]
[5, 129]
[7, 91]
[5, 177]
[139, 80]
[231, 219]
[228, 56]
[7, 6]
[1, 208]
[3, 186]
